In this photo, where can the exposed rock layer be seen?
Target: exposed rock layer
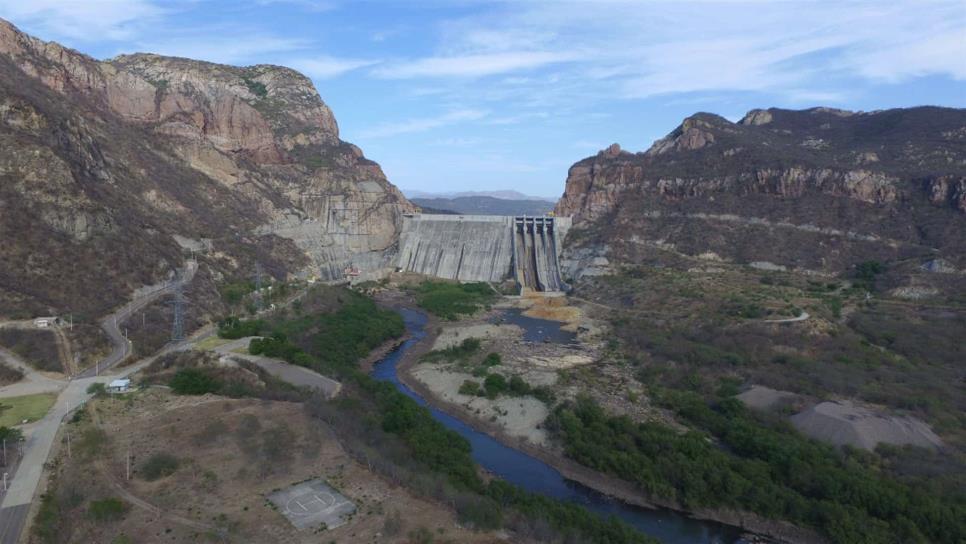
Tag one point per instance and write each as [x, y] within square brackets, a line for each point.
[105, 165]
[819, 189]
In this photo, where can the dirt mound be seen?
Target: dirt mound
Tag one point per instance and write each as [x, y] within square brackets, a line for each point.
[842, 423]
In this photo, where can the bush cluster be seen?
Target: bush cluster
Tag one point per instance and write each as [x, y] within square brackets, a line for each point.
[451, 300]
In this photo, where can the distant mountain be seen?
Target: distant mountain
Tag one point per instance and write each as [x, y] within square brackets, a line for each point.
[503, 195]
[485, 205]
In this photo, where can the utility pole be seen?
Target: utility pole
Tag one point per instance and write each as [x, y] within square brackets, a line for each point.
[258, 287]
[68, 443]
[177, 327]
[129, 463]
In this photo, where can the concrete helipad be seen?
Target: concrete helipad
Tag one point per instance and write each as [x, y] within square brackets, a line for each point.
[310, 504]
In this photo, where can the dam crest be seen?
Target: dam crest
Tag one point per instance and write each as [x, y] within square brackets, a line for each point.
[484, 248]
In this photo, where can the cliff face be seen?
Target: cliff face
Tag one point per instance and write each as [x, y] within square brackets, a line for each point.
[110, 169]
[817, 189]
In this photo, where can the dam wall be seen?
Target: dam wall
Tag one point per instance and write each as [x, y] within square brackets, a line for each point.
[484, 248]
[457, 247]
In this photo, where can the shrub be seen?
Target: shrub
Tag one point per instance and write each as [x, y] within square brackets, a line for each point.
[159, 466]
[544, 394]
[459, 352]
[470, 387]
[518, 387]
[234, 293]
[193, 381]
[256, 87]
[492, 359]
[232, 328]
[10, 434]
[97, 389]
[494, 385]
[109, 509]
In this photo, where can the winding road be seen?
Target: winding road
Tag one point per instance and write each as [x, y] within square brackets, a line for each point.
[40, 435]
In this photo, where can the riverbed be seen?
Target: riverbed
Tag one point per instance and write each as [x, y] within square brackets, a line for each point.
[536, 476]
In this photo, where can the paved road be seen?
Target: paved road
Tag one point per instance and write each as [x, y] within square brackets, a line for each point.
[15, 517]
[32, 382]
[121, 347]
[40, 436]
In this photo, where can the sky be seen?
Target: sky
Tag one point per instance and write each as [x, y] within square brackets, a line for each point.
[467, 95]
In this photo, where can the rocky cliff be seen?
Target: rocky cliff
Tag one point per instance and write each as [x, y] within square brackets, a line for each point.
[817, 189]
[110, 170]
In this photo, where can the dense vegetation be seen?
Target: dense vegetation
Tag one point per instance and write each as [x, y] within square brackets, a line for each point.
[331, 330]
[194, 381]
[451, 300]
[332, 343]
[770, 470]
[433, 459]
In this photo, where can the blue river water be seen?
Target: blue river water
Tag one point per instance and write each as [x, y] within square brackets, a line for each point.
[536, 476]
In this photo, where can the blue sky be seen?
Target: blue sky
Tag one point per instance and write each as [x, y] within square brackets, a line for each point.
[467, 95]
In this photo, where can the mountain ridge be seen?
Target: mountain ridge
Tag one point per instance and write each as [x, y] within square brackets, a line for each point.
[897, 178]
[118, 166]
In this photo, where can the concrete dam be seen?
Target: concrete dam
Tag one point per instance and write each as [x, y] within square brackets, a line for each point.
[484, 248]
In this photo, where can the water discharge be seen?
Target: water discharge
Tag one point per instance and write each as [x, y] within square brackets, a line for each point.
[536, 476]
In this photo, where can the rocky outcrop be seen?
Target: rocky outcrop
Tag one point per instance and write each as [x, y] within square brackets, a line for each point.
[150, 149]
[896, 178]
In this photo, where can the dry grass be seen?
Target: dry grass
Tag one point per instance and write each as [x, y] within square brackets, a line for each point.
[231, 455]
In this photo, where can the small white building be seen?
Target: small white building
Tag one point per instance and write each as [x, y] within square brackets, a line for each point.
[46, 322]
[119, 386]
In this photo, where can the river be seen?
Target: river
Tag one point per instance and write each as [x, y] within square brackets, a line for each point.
[534, 475]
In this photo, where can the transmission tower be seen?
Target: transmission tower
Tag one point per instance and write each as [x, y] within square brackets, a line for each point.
[177, 327]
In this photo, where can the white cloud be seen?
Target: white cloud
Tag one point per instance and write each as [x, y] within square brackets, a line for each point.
[602, 50]
[474, 65]
[423, 124]
[324, 67]
[87, 20]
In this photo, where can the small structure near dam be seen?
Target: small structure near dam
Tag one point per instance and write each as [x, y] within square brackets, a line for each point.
[485, 248]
